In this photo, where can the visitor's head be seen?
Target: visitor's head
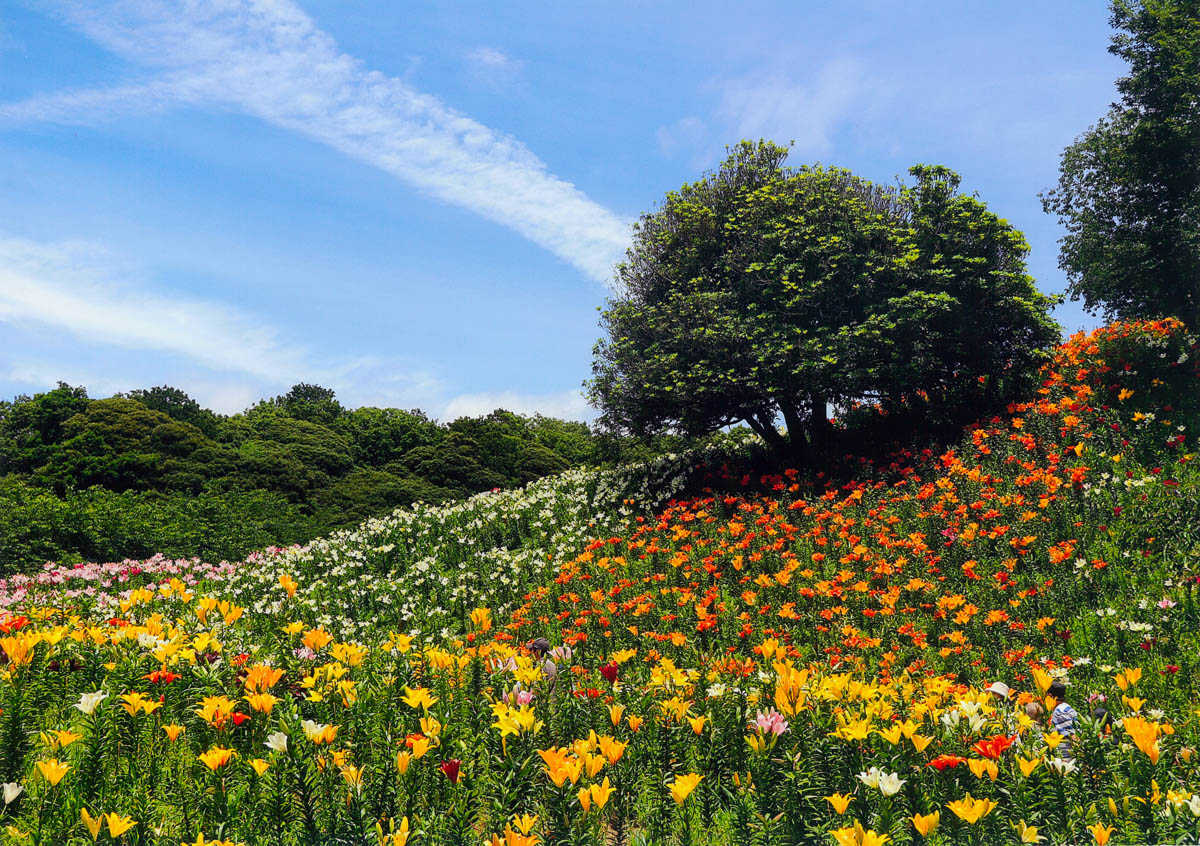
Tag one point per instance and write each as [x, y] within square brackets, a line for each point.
[1058, 689]
[1034, 710]
[1000, 690]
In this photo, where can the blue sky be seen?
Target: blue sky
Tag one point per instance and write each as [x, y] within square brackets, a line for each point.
[419, 204]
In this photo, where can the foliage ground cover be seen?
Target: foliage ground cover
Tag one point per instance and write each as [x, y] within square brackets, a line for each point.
[801, 664]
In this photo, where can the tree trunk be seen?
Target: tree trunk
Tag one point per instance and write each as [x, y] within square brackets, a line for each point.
[820, 431]
[796, 440]
[787, 450]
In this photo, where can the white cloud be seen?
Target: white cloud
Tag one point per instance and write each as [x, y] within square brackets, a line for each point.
[224, 358]
[228, 396]
[779, 107]
[495, 69]
[775, 105]
[88, 106]
[567, 405]
[384, 382]
[222, 397]
[80, 289]
[7, 42]
[494, 61]
[42, 375]
[267, 58]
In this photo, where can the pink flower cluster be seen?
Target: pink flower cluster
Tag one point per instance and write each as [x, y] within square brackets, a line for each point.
[770, 722]
[105, 584]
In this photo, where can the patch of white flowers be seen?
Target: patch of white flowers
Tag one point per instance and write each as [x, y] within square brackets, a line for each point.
[427, 566]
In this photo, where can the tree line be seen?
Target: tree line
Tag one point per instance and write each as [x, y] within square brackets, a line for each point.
[154, 471]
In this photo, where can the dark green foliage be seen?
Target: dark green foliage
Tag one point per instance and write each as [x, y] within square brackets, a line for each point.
[569, 439]
[762, 292]
[176, 404]
[309, 402]
[33, 426]
[101, 525]
[379, 436]
[367, 492]
[506, 446]
[454, 463]
[152, 471]
[1129, 188]
[110, 444]
[295, 457]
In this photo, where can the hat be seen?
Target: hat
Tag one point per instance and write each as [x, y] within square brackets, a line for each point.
[1000, 689]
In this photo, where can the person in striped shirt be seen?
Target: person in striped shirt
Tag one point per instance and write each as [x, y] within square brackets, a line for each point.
[1063, 718]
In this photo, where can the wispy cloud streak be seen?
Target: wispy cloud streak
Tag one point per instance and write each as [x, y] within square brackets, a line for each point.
[267, 58]
[79, 289]
[85, 294]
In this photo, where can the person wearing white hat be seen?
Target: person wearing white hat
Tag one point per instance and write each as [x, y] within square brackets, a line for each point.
[1003, 694]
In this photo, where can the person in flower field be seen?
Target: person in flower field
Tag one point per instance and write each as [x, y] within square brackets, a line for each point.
[1002, 694]
[1104, 721]
[1063, 718]
[1001, 691]
[1036, 714]
[540, 647]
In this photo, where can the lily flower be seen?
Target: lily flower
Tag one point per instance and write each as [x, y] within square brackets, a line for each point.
[683, 786]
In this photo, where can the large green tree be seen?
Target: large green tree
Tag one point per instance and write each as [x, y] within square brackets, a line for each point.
[1129, 188]
[309, 402]
[177, 404]
[763, 292]
[32, 427]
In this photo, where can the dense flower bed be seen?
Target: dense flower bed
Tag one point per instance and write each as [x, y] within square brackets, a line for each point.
[561, 665]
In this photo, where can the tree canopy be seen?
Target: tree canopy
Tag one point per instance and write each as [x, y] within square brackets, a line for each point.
[1129, 188]
[763, 292]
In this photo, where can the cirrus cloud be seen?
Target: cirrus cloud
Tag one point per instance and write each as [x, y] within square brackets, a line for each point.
[268, 59]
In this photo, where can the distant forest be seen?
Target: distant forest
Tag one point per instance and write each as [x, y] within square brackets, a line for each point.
[153, 471]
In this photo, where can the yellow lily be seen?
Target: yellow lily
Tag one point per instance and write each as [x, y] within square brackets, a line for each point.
[839, 801]
[260, 766]
[1028, 833]
[117, 824]
[971, 810]
[683, 786]
[216, 757]
[418, 698]
[856, 835]
[53, 770]
[600, 794]
[1028, 765]
[926, 824]
[91, 823]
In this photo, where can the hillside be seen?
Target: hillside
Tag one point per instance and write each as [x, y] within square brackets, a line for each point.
[152, 471]
[774, 660]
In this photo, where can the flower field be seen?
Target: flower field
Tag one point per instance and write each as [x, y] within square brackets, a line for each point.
[598, 659]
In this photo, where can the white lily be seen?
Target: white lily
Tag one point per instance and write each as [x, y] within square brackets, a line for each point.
[890, 784]
[89, 702]
[1061, 766]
